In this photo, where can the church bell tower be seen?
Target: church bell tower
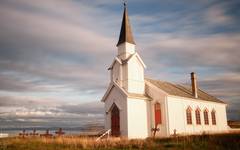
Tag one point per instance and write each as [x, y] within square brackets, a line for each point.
[125, 100]
[126, 44]
[129, 72]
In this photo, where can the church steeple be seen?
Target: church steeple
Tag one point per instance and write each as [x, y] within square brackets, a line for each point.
[125, 33]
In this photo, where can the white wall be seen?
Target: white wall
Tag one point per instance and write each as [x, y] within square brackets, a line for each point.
[115, 96]
[177, 115]
[129, 76]
[137, 118]
[135, 76]
[133, 114]
[116, 74]
[157, 96]
[125, 50]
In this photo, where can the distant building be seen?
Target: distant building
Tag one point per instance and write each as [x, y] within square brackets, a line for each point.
[139, 107]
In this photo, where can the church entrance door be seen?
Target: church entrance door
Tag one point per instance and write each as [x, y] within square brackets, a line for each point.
[115, 121]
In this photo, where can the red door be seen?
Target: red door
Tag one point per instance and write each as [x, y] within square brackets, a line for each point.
[115, 121]
[158, 119]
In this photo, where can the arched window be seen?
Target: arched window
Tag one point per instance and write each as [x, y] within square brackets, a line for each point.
[205, 114]
[158, 118]
[189, 115]
[198, 117]
[213, 114]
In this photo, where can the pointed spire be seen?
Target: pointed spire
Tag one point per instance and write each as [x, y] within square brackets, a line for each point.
[125, 33]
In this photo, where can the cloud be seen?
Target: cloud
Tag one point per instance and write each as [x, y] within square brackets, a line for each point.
[9, 84]
[216, 16]
[15, 114]
[37, 39]
[86, 108]
[226, 87]
[52, 29]
[35, 106]
[213, 57]
[220, 50]
[59, 51]
[27, 101]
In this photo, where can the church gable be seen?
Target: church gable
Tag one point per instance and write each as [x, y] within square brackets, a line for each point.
[136, 56]
[135, 68]
[110, 107]
[113, 86]
[122, 62]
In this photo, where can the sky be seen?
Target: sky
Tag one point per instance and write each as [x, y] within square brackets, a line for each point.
[55, 53]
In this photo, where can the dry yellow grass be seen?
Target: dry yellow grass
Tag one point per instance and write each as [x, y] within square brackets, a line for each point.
[218, 141]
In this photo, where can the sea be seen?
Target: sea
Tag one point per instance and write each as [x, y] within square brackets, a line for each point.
[69, 126]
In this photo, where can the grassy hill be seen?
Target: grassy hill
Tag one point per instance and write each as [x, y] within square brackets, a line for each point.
[200, 142]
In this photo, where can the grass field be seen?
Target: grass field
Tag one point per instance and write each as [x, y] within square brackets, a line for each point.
[200, 142]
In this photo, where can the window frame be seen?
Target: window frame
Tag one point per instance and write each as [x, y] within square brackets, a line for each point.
[213, 116]
[189, 116]
[198, 116]
[206, 117]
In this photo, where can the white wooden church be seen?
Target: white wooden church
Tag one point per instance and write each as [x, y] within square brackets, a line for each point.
[139, 107]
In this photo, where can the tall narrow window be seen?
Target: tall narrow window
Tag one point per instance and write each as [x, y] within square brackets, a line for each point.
[189, 115]
[213, 114]
[115, 121]
[158, 118]
[198, 117]
[205, 114]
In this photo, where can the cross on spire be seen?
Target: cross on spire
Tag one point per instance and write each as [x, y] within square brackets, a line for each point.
[126, 32]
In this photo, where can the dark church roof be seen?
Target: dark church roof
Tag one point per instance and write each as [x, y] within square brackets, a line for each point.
[182, 91]
[125, 33]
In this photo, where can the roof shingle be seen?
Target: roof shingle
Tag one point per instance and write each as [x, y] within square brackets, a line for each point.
[182, 91]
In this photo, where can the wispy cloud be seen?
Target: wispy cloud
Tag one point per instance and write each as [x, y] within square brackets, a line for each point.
[58, 51]
[38, 114]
